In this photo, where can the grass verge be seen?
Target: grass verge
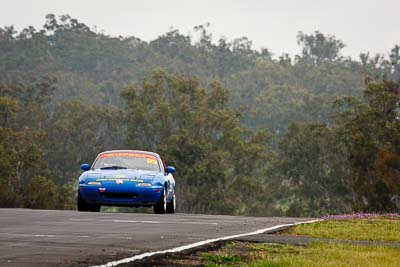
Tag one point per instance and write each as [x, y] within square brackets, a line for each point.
[315, 254]
[363, 229]
[323, 254]
[276, 255]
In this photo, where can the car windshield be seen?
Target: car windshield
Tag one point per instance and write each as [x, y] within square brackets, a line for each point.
[127, 160]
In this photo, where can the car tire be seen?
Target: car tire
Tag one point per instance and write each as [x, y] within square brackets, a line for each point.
[81, 204]
[94, 208]
[161, 206]
[171, 207]
[84, 206]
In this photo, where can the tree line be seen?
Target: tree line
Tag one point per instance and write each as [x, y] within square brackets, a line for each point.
[249, 132]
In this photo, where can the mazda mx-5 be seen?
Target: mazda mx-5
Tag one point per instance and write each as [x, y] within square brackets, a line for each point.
[129, 178]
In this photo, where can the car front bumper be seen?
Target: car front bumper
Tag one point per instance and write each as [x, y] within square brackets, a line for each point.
[117, 196]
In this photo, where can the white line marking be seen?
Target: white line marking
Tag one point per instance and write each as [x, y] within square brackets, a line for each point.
[211, 223]
[73, 219]
[197, 244]
[38, 235]
[27, 235]
[125, 221]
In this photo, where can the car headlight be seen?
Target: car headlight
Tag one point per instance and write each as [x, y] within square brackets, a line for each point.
[94, 183]
[144, 184]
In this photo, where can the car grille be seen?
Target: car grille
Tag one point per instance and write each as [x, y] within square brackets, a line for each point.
[118, 195]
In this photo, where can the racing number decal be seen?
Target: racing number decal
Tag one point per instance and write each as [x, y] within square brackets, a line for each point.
[152, 161]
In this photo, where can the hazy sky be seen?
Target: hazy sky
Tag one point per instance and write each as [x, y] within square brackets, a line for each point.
[363, 25]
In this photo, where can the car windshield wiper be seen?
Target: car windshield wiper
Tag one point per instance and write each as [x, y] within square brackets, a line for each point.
[113, 167]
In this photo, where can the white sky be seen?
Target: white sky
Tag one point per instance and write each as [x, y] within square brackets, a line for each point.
[363, 25]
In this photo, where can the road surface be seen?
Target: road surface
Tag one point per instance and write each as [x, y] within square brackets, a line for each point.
[71, 238]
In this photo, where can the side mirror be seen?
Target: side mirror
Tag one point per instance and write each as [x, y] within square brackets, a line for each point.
[85, 167]
[170, 169]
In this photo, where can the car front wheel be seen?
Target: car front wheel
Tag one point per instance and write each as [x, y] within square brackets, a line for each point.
[161, 206]
[171, 207]
[84, 206]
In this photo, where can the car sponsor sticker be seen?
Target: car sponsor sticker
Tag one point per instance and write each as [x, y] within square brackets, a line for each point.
[123, 179]
[128, 154]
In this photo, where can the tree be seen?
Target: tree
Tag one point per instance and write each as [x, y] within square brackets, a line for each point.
[77, 133]
[315, 171]
[370, 129]
[22, 139]
[8, 108]
[61, 104]
[41, 193]
[319, 47]
[196, 131]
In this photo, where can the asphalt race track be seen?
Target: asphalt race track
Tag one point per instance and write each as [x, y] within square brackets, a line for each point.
[71, 238]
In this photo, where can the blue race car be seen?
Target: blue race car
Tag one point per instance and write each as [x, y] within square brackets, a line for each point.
[130, 178]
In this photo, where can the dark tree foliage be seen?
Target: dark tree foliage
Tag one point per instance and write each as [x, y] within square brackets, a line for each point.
[196, 130]
[315, 171]
[370, 129]
[41, 141]
[249, 132]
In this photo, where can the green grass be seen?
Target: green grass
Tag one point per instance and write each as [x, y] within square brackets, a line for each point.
[315, 254]
[319, 253]
[365, 229]
[218, 260]
[323, 254]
